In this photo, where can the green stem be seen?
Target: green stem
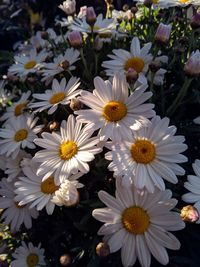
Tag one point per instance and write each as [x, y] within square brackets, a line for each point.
[85, 64]
[179, 97]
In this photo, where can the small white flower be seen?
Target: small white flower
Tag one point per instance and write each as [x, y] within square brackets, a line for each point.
[61, 93]
[28, 256]
[138, 223]
[67, 152]
[150, 156]
[18, 133]
[68, 6]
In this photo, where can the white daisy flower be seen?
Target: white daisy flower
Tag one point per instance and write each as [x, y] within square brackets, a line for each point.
[150, 155]
[67, 195]
[14, 214]
[18, 133]
[5, 96]
[137, 59]
[101, 25]
[17, 108]
[13, 166]
[28, 256]
[60, 64]
[61, 93]
[113, 111]
[193, 185]
[138, 223]
[67, 152]
[25, 64]
[31, 189]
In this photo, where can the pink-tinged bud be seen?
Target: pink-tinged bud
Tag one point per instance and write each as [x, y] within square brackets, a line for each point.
[69, 7]
[163, 33]
[75, 39]
[192, 66]
[195, 21]
[82, 12]
[98, 43]
[65, 260]
[131, 75]
[102, 249]
[189, 214]
[91, 16]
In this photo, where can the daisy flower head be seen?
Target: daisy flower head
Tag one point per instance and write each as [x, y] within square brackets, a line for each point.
[18, 133]
[67, 152]
[17, 108]
[138, 223]
[150, 156]
[32, 189]
[113, 111]
[60, 64]
[138, 59]
[28, 256]
[61, 93]
[193, 185]
[13, 166]
[26, 64]
[14, 214]
[101, 25]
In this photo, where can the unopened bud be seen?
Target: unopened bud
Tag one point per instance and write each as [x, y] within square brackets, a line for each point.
[131, 75]
[192, 66]
[102, 249]
[134, 10]
[64, 64]
[65, 260]
[91, 16]
[75, 39]
[53, 126]
[163, 33]
[195, 21]
[189, 214]
[155, 66]
[148, 3]
[44, 35]
[68, 6]
[98, 43]
[75, 104]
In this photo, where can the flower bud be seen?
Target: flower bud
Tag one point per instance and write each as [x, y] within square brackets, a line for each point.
[75, 39]
[98, 43]
[195, 21]
[155, 65]
[148, 3]
[64, 64]
[189, 214]
[91, 16]
[102, 249]
[131, 75]
[44, 35]
[65, 260]
[75, 104]
[68, 6]
[163, 33]
[192, 66]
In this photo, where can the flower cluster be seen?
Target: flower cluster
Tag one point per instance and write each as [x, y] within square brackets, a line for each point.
[98, 98]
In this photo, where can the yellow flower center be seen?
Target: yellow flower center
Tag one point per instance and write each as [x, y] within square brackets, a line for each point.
[155, 1]
[114, 111]
[21, 135]
[48, 186]
[143, 151]
[95, 28]
[135, 63]
[183, 1]
[135, 220]
[56, 98]
[30, 64]
[67, 150]
[19, 109]
[32, 260]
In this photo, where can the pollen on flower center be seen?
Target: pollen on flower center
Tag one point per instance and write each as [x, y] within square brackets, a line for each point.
[114, 111]
[135, 220]
[19, 109]
[135, 63]
[30, 64]
[143, 151]
[32, 260]
[48, 186]
[21, 135]
[67, 150]
[183, 1]
[56, 98]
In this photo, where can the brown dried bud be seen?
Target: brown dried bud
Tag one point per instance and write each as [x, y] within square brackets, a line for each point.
[102, 249]
[155, 66]
[189, 214]
[64, 64]
[53, 126]
[75, 104]
[65, 260]
[134, 9]
[44, 35]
